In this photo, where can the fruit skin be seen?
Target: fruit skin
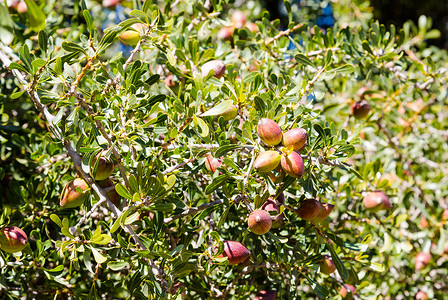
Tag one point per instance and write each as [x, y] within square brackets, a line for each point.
[347, 291]
[295, 138]
[105, 166]
[235, 252]
[71, 197]
[269, 132]
[212, 163]
[267, 161]
[421, 296]
[327, 266]
[259, 222]
[111, 193]
[22, 7]
[218, 67]
[293, 165]
[360, 109]
[229, 114]
[376, 201]
[324, 212]
[132, 35]
[225, 33]
[421, 260]
[266, 295]
[308, 209]
[110, 3]
[239, 19]
[271, 205]
[12, 239]
[252, 27]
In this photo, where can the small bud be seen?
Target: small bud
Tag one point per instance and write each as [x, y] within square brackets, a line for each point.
[12, 239]
[295, 138]
[293, 165]
[360, 109]
[267, 161]
[259, 222]
[308, 209]
[74, 193]
[269, 132]
[218, 67]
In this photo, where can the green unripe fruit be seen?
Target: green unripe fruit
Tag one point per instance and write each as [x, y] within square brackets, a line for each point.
[102, 167]
[361, 109]
[292, 164]
[267, 161]
[295, 138]
[12, 239]
[327, 266]
[259, 222]
[269, 132]
[235, 252]
[218, 67]
[132, 35]
[229, 114]
[308, 209]
[376, 201]
[74, 193]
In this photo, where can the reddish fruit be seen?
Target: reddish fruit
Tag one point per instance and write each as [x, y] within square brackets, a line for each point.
[277, 178]
[212, 163]
[102, 167]
[421, 296]
[423, 223]
[271, 205]
[21, 7]
[235, 252]
[239, 19]
[12, 239]
[295, 138]
[324, 212]
[218, 67]
[347, 291]
[445, 215]
[259, 222]
[111, 193]
[267, 161]
[252, 27]
[110, 3]
[376, 201]
[132, 35]
[269, 132]
[308, 209]
[266, 295]
[74, 193]
[327, 266]
[421, 260]
[229, 114]
[293, 164]
[225, 33]
[360, 109]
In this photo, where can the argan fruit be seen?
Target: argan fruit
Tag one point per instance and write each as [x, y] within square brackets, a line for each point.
[235, 252]
[252, 27]
[445, 215]
[225, 33]
[421, 296]
[308, 209]
[324, 212]
[266, 295]
[271, 205]
[212, 163]
[110, 3]
[12, 239]
[423, 223]
[218, 67]
[277, 178]
[259, 222]
[74, 193]
[327, 266]
[360, 109]
[111, 193]
[239, 19]
[295, 138]
[293, 164]
[376, 201]
[269, 132]
[102, 167]
[229, 114]
[132, 35]
[421, 260]
[267, 161]
[347, 292]
[22, 7]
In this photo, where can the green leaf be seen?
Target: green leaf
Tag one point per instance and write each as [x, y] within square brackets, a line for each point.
[226, 148]
[345, 69]
[304, 60]
[89, 21]
[99, 258]
[16, 66]
[216, 183]
[117, 265]
[337, 261]
[56, 219]
[119, 221]
[36, 17]
[202, 125]
[123, 191]
[17, 94]
[72, 47]
[320, 291]
[43, 40]
[219, 109]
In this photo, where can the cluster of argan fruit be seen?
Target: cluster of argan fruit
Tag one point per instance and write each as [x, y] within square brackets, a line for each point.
[77, 191]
